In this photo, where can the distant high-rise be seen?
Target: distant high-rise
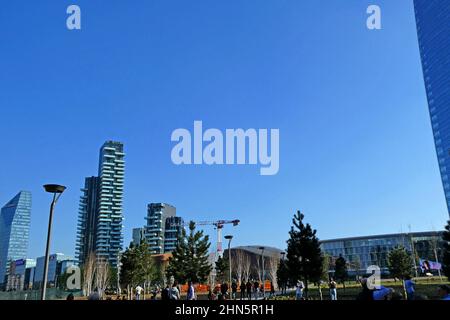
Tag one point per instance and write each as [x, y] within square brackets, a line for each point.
[163, 228]
[100, 215]
[15, 221]
[87, 219]
[138, 236]
[433, 30]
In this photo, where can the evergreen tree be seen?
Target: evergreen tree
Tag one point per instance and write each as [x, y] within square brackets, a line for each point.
[340, 270]
[400, 264]
[138, 266]
[189, 261]
[222, 269]
[303, 253]
[446, 253]
[282, 275]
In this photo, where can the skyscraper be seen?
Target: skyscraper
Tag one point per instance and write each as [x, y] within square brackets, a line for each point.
[15, 221]
[100, 215]
[87, 219]
[433, 30]
[163, 227]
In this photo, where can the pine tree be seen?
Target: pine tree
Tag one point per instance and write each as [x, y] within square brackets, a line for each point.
[340, 270]
[222, 269]
[303, 253]
[400, 264]
[282, 275]
[189, 261]
[138, 266]
[446, 254]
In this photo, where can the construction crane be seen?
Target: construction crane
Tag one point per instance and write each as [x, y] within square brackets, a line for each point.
[219, 224]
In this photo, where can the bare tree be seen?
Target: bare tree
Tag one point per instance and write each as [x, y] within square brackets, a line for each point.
[238, 263]
[272, 268]
[102, 276]
[89, 273]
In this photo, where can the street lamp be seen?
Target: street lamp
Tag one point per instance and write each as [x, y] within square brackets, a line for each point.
[263, 273]
[56, 190]
[229, 237]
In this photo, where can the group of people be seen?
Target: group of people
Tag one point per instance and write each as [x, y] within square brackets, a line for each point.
[247, 290]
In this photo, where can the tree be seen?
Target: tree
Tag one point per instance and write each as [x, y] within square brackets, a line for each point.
[138, 266]
[446, 254]
[102, 276]
[189, 261]
[222, 269]
[238, 264]
[283, 275]
[304, 257]
[89, 269]
[340, 270]
[272, 269]
[400, 264]
[246, 266]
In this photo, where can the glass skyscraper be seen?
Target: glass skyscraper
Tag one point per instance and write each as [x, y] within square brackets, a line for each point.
[15, 221]
[433, 30]
[100, 214]
[163, 228]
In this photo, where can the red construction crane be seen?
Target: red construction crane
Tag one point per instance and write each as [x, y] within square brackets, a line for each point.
[219, 224]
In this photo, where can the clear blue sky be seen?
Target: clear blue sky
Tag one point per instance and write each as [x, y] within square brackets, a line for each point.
[356, 149]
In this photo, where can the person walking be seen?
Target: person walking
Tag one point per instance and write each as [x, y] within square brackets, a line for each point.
[249, 290]
[242, 287]
[190, 292]
[256, 289]
[234, 288]
[410, 287]
[299, 290]
[138, 292]
[333, 289]
[224, 290]
[175, 292]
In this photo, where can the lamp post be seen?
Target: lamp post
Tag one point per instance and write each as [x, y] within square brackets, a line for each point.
[56, 190]
[263, 273]
[283, 288]
[229, 237]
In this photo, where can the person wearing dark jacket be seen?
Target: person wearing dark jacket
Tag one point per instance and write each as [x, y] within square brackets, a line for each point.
[249, 290]
[242, 287]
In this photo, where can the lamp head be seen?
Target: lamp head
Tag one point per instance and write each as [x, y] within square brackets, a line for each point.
[54, 188]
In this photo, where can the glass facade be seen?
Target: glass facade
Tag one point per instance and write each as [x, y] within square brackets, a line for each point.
[15, 221]
[163, 228]
[433, 30]
[100, 215]
[361, 252]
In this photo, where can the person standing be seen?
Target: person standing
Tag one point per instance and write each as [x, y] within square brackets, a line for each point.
[190, 292]
[256, 289]
[174, 292]
[299, 290]
[242, 288]
[138, 292]
[224, 290]
[410, 287]
[234, 288]
[249, 290]
[333, 289]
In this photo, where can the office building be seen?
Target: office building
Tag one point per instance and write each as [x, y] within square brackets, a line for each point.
[138, 236]
[100, 215]
[15, 218]
[21, 273]
[163, 228]
[362, 252]
[433, 31]
[57, 265]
